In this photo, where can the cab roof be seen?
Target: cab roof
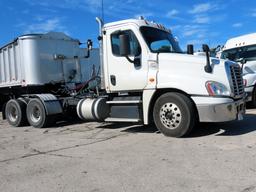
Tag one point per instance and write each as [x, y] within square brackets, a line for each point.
[139, 22]
[240, 41]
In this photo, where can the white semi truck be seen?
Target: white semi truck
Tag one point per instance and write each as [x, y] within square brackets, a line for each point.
[243, 49]
[144, 77]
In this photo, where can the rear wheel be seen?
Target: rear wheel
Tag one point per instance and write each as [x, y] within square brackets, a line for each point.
[36, 114]
[174, 114]
[15, 113]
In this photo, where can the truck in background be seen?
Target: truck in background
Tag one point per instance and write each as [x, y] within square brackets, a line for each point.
[144, 77]
[243, 50]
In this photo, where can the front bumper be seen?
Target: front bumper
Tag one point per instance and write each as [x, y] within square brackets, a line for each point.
[219, 109]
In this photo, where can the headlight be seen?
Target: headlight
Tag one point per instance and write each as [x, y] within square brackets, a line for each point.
[216, 89]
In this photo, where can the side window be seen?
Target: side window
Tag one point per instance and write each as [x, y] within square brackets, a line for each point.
[134, 43]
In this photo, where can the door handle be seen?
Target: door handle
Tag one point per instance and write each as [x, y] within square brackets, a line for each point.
[113, 80]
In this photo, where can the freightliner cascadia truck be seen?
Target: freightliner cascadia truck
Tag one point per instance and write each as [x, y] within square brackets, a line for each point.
[243, 50]
[139, 74]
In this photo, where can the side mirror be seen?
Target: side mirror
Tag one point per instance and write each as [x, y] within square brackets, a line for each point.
[207, 67]
[190, 49]
[241, 60]
[230, 56]
[125, 48]
[206, 48]
[89, 48]
[89, 44]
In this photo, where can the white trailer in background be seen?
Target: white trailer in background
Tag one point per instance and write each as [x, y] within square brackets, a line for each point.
[144, 77]
[243, 48]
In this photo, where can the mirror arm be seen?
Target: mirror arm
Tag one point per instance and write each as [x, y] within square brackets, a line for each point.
[208, 68]
[130, 60]
[242, 68]
[243, 62]
[88, 54]
[89, 48]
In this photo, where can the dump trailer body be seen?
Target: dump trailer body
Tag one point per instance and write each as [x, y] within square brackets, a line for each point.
[36, 59]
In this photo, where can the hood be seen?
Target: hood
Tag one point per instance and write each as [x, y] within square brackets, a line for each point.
[249, 73]
[187, 72]
[249, 67]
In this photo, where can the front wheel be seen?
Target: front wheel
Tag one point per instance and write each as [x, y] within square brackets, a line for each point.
[174, 114]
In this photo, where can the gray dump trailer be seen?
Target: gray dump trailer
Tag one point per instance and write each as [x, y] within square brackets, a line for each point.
[44, 69]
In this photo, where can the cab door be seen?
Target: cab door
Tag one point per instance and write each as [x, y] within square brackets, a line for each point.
[123, 75]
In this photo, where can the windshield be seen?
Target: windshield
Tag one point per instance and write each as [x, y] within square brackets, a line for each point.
[160, 41]
[247, 52]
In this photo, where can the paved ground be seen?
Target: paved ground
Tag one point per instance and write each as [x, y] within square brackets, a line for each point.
[91, 157]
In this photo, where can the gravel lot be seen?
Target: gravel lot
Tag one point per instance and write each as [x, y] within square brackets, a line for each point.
[94, 157]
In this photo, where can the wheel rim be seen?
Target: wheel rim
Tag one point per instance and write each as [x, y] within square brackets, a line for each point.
[170, 115]
[13, 113]
[35, 115]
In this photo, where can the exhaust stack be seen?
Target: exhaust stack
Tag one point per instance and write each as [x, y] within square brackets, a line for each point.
[100, 37]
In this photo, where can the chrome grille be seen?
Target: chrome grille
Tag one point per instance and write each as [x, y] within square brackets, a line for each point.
[237, 80]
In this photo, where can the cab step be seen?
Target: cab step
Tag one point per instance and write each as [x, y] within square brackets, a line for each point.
[111, 119]
[124, 102]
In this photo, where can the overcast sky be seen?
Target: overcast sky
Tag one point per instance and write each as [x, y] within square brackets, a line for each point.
[197, 22]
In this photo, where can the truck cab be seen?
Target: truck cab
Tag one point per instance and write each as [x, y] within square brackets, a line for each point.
[243, 49]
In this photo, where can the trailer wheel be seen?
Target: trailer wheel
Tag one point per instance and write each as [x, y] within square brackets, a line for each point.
[36, 114]
[174, 114]
[15, 113]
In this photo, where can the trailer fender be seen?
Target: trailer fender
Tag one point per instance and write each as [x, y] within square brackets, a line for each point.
[147, 97]
[51, 103]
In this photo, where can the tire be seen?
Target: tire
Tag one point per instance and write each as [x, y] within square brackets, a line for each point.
[36, 114]
[1, 103]
[252, 103]
[174, 115]
[3, 111]
[15, 113]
